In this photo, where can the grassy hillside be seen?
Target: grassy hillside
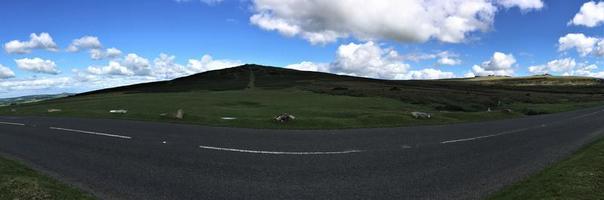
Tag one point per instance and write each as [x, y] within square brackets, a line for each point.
[255, 94]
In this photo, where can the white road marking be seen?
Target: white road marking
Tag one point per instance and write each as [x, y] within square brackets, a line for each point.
[11, 123]
[91, 133]
[486, 136]
[280, 152]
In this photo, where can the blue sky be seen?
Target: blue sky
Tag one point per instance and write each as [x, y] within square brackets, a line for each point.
[163, 39]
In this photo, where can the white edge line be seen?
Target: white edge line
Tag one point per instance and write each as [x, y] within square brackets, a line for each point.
[91, 133]
[11, 123]
[279, 152]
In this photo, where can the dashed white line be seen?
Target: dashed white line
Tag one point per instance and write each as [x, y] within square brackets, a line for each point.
[12, 123]
[91, 133]
[280, 152]
[486, 136]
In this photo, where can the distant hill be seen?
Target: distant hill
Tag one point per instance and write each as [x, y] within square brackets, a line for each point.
[537, 80]
[267, 77]
[31, 99]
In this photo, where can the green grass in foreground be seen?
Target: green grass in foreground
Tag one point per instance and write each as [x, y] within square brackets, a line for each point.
[17, 182]
[578, 177]
[256, 109]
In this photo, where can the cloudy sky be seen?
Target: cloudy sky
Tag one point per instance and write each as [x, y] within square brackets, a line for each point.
[75, 46]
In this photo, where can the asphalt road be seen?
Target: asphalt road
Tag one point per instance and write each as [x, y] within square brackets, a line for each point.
[141, 160]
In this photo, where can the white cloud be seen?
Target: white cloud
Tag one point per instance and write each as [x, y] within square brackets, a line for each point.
[586, 70]
[130, 65]
[86, 42]
[590, 15]
[34, 83]
[372, 61]
[42, 41]
[522, 4]
[164, 67]
[98, 54]
[37, 65]
[429, 73]
[321, 21]
[309, 66]
[559, 65]
[368, 60]
[500, 64]
[600, 48]
[113, 68]
[93, 44]
[6, 73]
[583, 44]
[207, 63]
[448, 61]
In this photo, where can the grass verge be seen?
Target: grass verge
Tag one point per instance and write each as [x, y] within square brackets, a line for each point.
[20, 182]
[256, 109]
[579, 177]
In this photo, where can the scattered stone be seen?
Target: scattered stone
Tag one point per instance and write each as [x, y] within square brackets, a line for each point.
[508, 110]
[283, 118]
[52, 110]
[180, 114]
[421, 115]
[163, 115]
[118, 111]
[228, 118]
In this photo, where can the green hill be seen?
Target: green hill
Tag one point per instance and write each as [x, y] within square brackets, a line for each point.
[254, 94]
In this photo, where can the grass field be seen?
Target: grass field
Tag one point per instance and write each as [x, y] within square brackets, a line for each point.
[17, 182]
[579, 177]
[254, 95]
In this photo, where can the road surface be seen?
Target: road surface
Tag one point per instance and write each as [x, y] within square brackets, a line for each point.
[118, 159]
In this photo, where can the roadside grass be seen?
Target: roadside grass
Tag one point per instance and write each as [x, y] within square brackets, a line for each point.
[19, 182]
[252, 108]
[579, 177]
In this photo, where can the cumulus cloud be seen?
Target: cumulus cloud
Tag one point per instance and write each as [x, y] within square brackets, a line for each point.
[207, 63]
[37, 65]
[586, 70]
[372, 61]
[583, 44]
[41, 41]
[165, 67]
[130, 65]
[35, 83]
[501, 64]
[559, 65]
[320, 21]
[93, 44]
[309, 66]
[522, 4]
[98, 54]
[590, 15]
[448, 61]
[86, 42]
[443, 57]
[6, 73]
[429, 73]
